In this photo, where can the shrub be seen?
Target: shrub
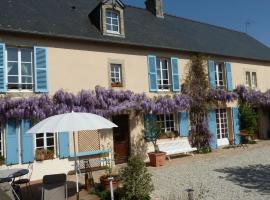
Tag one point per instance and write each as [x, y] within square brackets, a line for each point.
[136, 180]
[248, 118]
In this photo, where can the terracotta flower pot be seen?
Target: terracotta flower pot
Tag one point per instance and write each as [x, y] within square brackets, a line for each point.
[105, 183]
[157, 159]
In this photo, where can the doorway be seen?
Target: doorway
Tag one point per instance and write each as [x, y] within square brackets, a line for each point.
[121, 138]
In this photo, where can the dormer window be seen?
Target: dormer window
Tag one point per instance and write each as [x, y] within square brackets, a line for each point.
[112, 22]
[109, 18]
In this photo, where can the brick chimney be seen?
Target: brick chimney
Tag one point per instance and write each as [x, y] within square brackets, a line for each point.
[155, 6]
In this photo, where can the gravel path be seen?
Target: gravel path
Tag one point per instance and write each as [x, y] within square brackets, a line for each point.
[225, 174]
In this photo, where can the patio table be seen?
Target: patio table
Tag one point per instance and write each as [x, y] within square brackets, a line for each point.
[12, 173]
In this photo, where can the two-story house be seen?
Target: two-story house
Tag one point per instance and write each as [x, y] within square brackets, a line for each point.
[73, 45]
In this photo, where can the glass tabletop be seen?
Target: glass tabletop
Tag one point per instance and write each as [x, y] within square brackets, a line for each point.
[13, 173]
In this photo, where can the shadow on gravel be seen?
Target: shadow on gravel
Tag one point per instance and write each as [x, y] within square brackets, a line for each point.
[252, 177]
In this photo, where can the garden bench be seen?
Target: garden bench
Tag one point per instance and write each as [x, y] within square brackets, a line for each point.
[177, 146]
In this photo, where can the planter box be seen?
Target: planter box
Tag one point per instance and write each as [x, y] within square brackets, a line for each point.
[105, 183]
[157, 159]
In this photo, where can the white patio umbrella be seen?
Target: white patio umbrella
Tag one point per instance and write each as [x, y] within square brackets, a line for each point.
[72, 123]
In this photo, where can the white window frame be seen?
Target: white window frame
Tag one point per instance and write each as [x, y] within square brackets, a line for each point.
[251, 82]
[171, 119]
[114, 72]
[222, 132]
[45, 142]
[160, 73]
[223, 73]
[20, 69]
[111, 22]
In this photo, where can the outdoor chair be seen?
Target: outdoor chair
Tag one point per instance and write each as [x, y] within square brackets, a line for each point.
[26, 181]
[9, 191]
[54, 187]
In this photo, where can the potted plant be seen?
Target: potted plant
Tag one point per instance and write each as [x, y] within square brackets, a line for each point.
[153, 132]
[40, 154]
[105, 179]
[49, 154]
[2, 160]
[248, 118]
[116, 84]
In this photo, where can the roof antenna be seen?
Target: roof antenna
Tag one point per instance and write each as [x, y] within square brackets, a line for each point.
[247, 24]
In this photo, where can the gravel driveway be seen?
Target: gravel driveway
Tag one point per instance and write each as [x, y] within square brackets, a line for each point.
[225, 174]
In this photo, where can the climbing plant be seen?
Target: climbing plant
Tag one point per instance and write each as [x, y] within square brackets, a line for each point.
[196, 87]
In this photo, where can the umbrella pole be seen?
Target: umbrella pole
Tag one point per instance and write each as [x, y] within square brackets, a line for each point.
[76, 167]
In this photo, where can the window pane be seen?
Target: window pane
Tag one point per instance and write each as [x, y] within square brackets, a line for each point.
[26, 79]
[39, 135]
[115, 28]
[13, 79]
[12, 54]
[26, 55]
[115, 22]
[26, 69]
[254, 79]
[50, 141]
[13, 68]
[108, 27]
[248, 79]
[108, 14]
[49, 134]
[40, 142]
[114, 15]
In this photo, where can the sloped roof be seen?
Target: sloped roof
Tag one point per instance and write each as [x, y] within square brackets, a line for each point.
[69, 19]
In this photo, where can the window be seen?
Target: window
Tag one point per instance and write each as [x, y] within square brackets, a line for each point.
[251, 79]
[163, 74]
[45, 141]
[19, 68]
[112, 22]
[220, 76]
[116, 75]
[222, 123]
[167, 122]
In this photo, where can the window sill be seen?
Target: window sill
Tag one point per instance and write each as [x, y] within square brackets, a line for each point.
[116, 85]
[20, 91]
[114, 34]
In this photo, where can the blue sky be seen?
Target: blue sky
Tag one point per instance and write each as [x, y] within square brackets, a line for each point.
[233, 14]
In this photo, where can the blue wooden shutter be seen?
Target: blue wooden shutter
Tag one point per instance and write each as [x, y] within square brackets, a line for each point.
[12, 145]
[211, 73]
[148, 118]
[63, 145]
[152, 73]
[27, 142]
[41, 69]
[212, 125]
[3, 81]
[229, 76]
[175, 75]
[236, 125]
[183, 124]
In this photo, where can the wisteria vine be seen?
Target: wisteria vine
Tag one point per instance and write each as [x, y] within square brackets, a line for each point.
[109, 102]
[101, 101]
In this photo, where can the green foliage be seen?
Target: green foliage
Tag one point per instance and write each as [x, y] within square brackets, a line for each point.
[136, 180]
[153, 132]
[196, 87]
[248, 117]
[102, 194]
[205, 150]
